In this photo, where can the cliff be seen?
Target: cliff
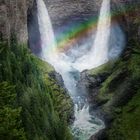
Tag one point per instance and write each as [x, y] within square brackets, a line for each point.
[114, 87]
[64, 11]
[14, 19]
[15, 15]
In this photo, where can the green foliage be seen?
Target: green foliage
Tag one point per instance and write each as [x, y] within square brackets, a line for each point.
[134, 64]
[127, 124]
[124, 73]
[34, 96]
[7, 94]
[10, 123]
[121, 90]
[105, 68]
[61, 101]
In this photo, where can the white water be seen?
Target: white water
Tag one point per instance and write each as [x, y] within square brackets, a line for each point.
[69, 66]
[46, 31]
[98, 54]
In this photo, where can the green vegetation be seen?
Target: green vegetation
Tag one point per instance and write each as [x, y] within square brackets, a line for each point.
[10, 123]
[127, 123]
[31, 101]
[105, 68]
[122, 95]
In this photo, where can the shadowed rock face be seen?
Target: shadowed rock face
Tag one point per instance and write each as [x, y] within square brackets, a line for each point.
[127, 15]
[33, 30]
[64, 11]
[68, 13]
[13, 19]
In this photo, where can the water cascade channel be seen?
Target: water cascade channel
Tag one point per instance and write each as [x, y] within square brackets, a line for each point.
[105, 47]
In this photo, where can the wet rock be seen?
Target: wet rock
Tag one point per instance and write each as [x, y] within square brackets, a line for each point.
[92, 81]
[101, 135]
[91, 84]
[56, 76]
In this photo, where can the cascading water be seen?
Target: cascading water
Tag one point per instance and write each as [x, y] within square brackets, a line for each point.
[98, 54]
[48, 43]
[85, 124]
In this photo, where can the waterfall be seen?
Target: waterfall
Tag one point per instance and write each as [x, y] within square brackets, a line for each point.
[85, 124]
[48, 43]
[98, 54]
[101, 43]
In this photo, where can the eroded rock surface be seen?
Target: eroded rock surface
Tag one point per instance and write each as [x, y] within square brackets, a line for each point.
[13, 20]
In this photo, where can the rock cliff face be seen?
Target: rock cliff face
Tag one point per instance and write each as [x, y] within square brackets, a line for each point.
[64, 11]
[113, 88]
[13, 20]
[128, 17]
[128, 10]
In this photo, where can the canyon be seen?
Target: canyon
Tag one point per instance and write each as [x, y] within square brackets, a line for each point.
[113, 85]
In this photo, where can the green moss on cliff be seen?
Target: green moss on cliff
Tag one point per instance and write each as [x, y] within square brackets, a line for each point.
[127, 123]
[39, 116]
[122, 95]
[105, 68]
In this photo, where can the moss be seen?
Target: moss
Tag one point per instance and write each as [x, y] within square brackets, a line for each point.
[120, 94]
[35, 93]
[105, 68]
[43, 66]
[122, 70]
[127, 124]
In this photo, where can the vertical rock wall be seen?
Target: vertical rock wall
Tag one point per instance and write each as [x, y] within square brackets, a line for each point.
[13, 19]
[128, 13]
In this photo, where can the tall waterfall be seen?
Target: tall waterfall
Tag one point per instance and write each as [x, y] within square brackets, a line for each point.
[85, 124]
[98, 54]
[48, 43]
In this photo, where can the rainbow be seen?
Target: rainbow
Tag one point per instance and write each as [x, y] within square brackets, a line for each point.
[77, 31]
[66, 41]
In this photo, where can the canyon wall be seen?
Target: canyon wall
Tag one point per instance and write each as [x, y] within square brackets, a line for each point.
[14, 15]
[13, 20]
[62, 12]
[114, 87]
